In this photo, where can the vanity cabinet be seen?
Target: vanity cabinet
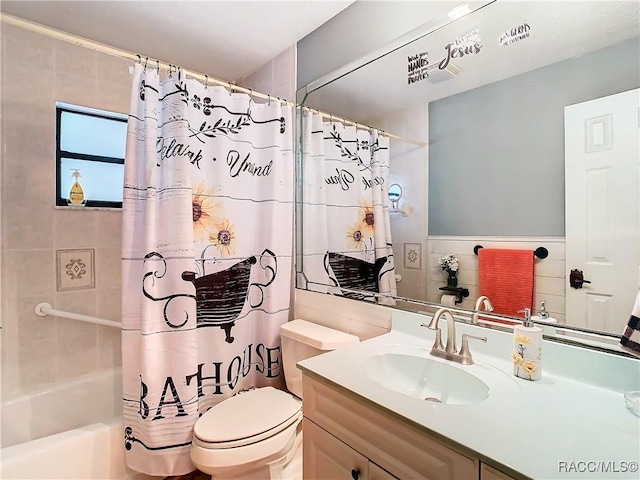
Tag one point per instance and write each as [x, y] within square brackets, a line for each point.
[487, 472]
[348, 438]
[326, 457]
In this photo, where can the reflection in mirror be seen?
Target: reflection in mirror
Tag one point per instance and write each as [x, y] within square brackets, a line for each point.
[395, 194]
[514, 127]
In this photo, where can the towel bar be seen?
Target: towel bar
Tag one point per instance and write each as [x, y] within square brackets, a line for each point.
[539, 252]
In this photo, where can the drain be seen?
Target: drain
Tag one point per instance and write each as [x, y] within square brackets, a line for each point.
[433, 399]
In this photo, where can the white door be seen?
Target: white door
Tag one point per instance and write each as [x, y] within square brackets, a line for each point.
[602, 203]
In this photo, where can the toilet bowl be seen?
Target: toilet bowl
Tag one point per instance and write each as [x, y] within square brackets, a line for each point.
[249, 435]
[256, 434]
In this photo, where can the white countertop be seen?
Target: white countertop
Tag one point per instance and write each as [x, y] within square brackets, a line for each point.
[554, 428]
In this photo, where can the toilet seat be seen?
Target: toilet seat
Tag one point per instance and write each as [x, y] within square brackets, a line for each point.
[247, 418]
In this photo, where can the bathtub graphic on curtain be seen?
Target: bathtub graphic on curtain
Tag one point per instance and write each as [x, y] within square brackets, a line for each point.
[355, 274]
[220, 296]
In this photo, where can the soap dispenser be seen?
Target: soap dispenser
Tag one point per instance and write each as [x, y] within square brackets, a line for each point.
[76, 193]
[527, 347]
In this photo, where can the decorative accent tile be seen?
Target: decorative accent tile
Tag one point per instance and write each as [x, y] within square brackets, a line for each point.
[75, 269]
[413, 256]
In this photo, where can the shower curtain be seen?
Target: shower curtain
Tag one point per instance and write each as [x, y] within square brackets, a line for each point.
[207, 221]
[346, 234]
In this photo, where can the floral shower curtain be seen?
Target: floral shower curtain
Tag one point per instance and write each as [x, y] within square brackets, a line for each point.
[207, 219]
[346, 242]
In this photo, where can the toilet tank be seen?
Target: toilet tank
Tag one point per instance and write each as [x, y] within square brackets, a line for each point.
[301, 339]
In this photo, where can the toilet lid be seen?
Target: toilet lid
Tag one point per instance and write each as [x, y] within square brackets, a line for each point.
[247, 415]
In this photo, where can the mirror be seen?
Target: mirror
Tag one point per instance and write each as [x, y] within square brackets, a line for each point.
[487, 119]
[395, 194]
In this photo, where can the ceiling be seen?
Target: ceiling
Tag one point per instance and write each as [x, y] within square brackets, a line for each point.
[225, 39]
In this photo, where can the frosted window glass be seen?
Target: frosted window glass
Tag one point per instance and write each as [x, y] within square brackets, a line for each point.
[92, 135]
[100, 181]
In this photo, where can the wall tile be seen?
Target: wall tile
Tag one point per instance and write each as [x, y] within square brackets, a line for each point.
[111, 222]
[26, 91]
[115, 99]
[36, 272]
[74, 90]
[23, 46]
[74, 228]
[77, 355]
[37, 363]
[113, 72]
[108, 268]
[27, 227]
[74, 59]
[76, 301]
[109, 304]
[33, 328]
[109, 348]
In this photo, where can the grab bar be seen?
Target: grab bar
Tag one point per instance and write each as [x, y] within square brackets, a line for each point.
[43, 309]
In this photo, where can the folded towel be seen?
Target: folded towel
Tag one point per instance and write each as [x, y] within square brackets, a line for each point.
[630, 341]
[506, 277]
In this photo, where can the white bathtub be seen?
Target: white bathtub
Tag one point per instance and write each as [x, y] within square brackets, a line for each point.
[72, 430]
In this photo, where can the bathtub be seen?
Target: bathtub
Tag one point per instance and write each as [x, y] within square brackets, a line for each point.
[72, 430]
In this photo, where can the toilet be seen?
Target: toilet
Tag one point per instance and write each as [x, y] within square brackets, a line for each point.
[256, 434]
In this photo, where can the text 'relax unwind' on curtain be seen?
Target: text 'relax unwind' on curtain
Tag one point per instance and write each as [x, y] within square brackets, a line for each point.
[207, 248]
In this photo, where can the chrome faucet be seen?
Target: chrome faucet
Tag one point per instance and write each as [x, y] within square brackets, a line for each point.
[482, 301]
[449, 352]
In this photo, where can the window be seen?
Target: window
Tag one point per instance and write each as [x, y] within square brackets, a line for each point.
[93, 143]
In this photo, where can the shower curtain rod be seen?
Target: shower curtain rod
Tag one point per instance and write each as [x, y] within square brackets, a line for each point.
[345, 121]
[116, 52]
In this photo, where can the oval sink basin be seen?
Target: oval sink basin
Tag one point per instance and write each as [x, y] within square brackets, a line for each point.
[426, 379]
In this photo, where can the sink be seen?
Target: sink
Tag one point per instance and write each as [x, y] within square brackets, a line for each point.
[426, 379]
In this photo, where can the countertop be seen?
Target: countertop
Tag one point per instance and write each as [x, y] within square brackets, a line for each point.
[555, 428]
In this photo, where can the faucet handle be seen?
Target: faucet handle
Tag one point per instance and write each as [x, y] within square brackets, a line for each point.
[437, 344]
[465, 354]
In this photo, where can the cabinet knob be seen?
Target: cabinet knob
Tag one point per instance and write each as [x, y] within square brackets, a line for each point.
[355, 474]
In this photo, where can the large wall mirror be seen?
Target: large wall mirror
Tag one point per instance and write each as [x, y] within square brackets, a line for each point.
[510, 127]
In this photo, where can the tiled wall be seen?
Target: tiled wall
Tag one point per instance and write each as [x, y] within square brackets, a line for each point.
[277, 78]
[549, 273]
[366, 320]
[37, 71]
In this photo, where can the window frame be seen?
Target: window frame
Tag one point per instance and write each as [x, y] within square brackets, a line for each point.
[61, 200]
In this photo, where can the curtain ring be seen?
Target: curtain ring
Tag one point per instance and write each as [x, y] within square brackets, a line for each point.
[230, 88]
[268, 99]
[158, 67]
[170, 70]
[139, 59]
[251, 94]
[206, 82]
[145, 63]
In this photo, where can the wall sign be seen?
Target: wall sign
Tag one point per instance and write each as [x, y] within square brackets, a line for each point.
[417, 66]
[515, 34]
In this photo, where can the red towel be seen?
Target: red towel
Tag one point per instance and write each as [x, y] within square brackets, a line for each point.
[506, 277]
